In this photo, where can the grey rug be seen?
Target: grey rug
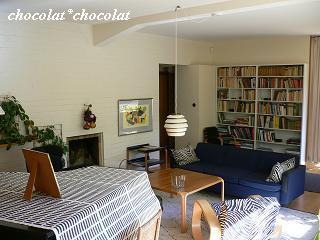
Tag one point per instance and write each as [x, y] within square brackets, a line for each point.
[296, 224]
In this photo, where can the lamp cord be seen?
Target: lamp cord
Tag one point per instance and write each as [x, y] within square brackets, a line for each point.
[176, 61]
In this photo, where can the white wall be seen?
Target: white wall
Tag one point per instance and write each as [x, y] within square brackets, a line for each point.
[196, 84]
[207, 98]
[262, 50]
[188, 88]
[53, 69]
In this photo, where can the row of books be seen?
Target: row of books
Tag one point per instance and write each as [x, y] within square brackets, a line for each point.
[242, 132]
[249, 94]
[226, 83]
[295, 96]
[279, 122]
[290, 109]
[236, 71]
[280, 96]
[236, 83]
[285, 123]
[235, 106]
[265, 135]
[222, 94]
[246, 82]
[280, 83]
[265, 121]
[288, 70]
[248, 121]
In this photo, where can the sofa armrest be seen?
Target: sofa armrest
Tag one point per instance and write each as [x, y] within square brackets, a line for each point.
[292, 184]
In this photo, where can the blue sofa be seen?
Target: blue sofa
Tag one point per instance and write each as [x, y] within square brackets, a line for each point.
[244, 171]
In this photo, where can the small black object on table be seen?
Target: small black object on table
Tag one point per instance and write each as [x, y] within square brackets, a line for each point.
[145, 161]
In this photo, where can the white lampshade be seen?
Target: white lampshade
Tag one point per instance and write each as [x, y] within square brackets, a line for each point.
[1, 111]
[176, 125]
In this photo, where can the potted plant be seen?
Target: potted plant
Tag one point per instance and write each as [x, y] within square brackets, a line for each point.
[17, 128]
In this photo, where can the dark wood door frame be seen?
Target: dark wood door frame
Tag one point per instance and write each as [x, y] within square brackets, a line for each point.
[166, 102]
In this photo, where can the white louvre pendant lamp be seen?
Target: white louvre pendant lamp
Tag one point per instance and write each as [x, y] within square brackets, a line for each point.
[176, 125]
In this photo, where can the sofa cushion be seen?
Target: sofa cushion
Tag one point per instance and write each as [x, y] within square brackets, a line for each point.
[260, 184]
[201, 167]
[268, 159]
[228, 174]
[208, 152]
[240, 158]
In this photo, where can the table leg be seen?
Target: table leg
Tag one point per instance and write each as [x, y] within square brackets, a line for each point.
[222, 190]
[183, 212]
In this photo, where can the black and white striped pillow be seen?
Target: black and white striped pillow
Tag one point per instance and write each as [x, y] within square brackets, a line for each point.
[184, 156]
[288, 164]
[279, 168]
[276, 173]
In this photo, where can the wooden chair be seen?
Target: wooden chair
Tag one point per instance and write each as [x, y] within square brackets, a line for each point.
[151, 229]
[203, 208]
[211, 135]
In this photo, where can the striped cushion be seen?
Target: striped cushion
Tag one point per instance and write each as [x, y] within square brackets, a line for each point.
[184, 156]
[279, 168]
[275, 174]
[288, 164]
[248, 218]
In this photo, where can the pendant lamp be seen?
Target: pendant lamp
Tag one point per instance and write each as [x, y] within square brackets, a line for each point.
[176, 125]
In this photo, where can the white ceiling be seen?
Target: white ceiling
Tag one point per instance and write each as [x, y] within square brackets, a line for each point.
[136, 7]
[298, 19]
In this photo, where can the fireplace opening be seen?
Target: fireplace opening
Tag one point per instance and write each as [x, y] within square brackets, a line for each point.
[85, 150]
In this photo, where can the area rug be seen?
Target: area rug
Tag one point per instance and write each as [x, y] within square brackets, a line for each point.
[295, 224]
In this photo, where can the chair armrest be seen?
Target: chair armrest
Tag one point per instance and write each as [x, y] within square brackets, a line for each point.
[277, 229]
[202, 207]
[293, 184]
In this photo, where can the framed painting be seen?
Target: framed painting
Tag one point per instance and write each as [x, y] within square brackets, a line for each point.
[134, 116]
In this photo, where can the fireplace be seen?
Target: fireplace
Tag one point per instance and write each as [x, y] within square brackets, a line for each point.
[85, 150]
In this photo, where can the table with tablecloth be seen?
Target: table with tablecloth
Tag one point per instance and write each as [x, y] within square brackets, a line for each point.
[96, 203]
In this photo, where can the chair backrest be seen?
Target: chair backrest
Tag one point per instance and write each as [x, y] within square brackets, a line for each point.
[211, 135]
[55, 152]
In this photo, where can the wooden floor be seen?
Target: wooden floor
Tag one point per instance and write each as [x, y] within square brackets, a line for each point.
[308, 202]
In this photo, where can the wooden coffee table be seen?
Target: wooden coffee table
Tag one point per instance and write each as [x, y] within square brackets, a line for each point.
[195, 182]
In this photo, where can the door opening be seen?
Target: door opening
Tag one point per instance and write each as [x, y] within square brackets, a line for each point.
[166, 101]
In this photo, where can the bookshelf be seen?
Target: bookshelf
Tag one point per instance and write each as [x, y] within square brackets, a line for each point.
[263, 106]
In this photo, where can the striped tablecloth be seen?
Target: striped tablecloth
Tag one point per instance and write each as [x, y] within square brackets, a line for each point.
[97, 203]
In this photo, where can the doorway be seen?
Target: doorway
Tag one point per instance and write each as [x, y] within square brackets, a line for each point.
[166, 101]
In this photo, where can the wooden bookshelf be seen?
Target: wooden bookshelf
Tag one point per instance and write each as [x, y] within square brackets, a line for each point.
[269, 99]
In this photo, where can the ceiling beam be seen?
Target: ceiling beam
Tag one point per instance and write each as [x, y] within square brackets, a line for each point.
[106, 32]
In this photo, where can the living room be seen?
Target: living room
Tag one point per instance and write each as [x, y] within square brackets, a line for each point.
[59, 71]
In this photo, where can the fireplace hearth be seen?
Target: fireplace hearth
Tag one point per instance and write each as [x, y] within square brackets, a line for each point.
[85, 150]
